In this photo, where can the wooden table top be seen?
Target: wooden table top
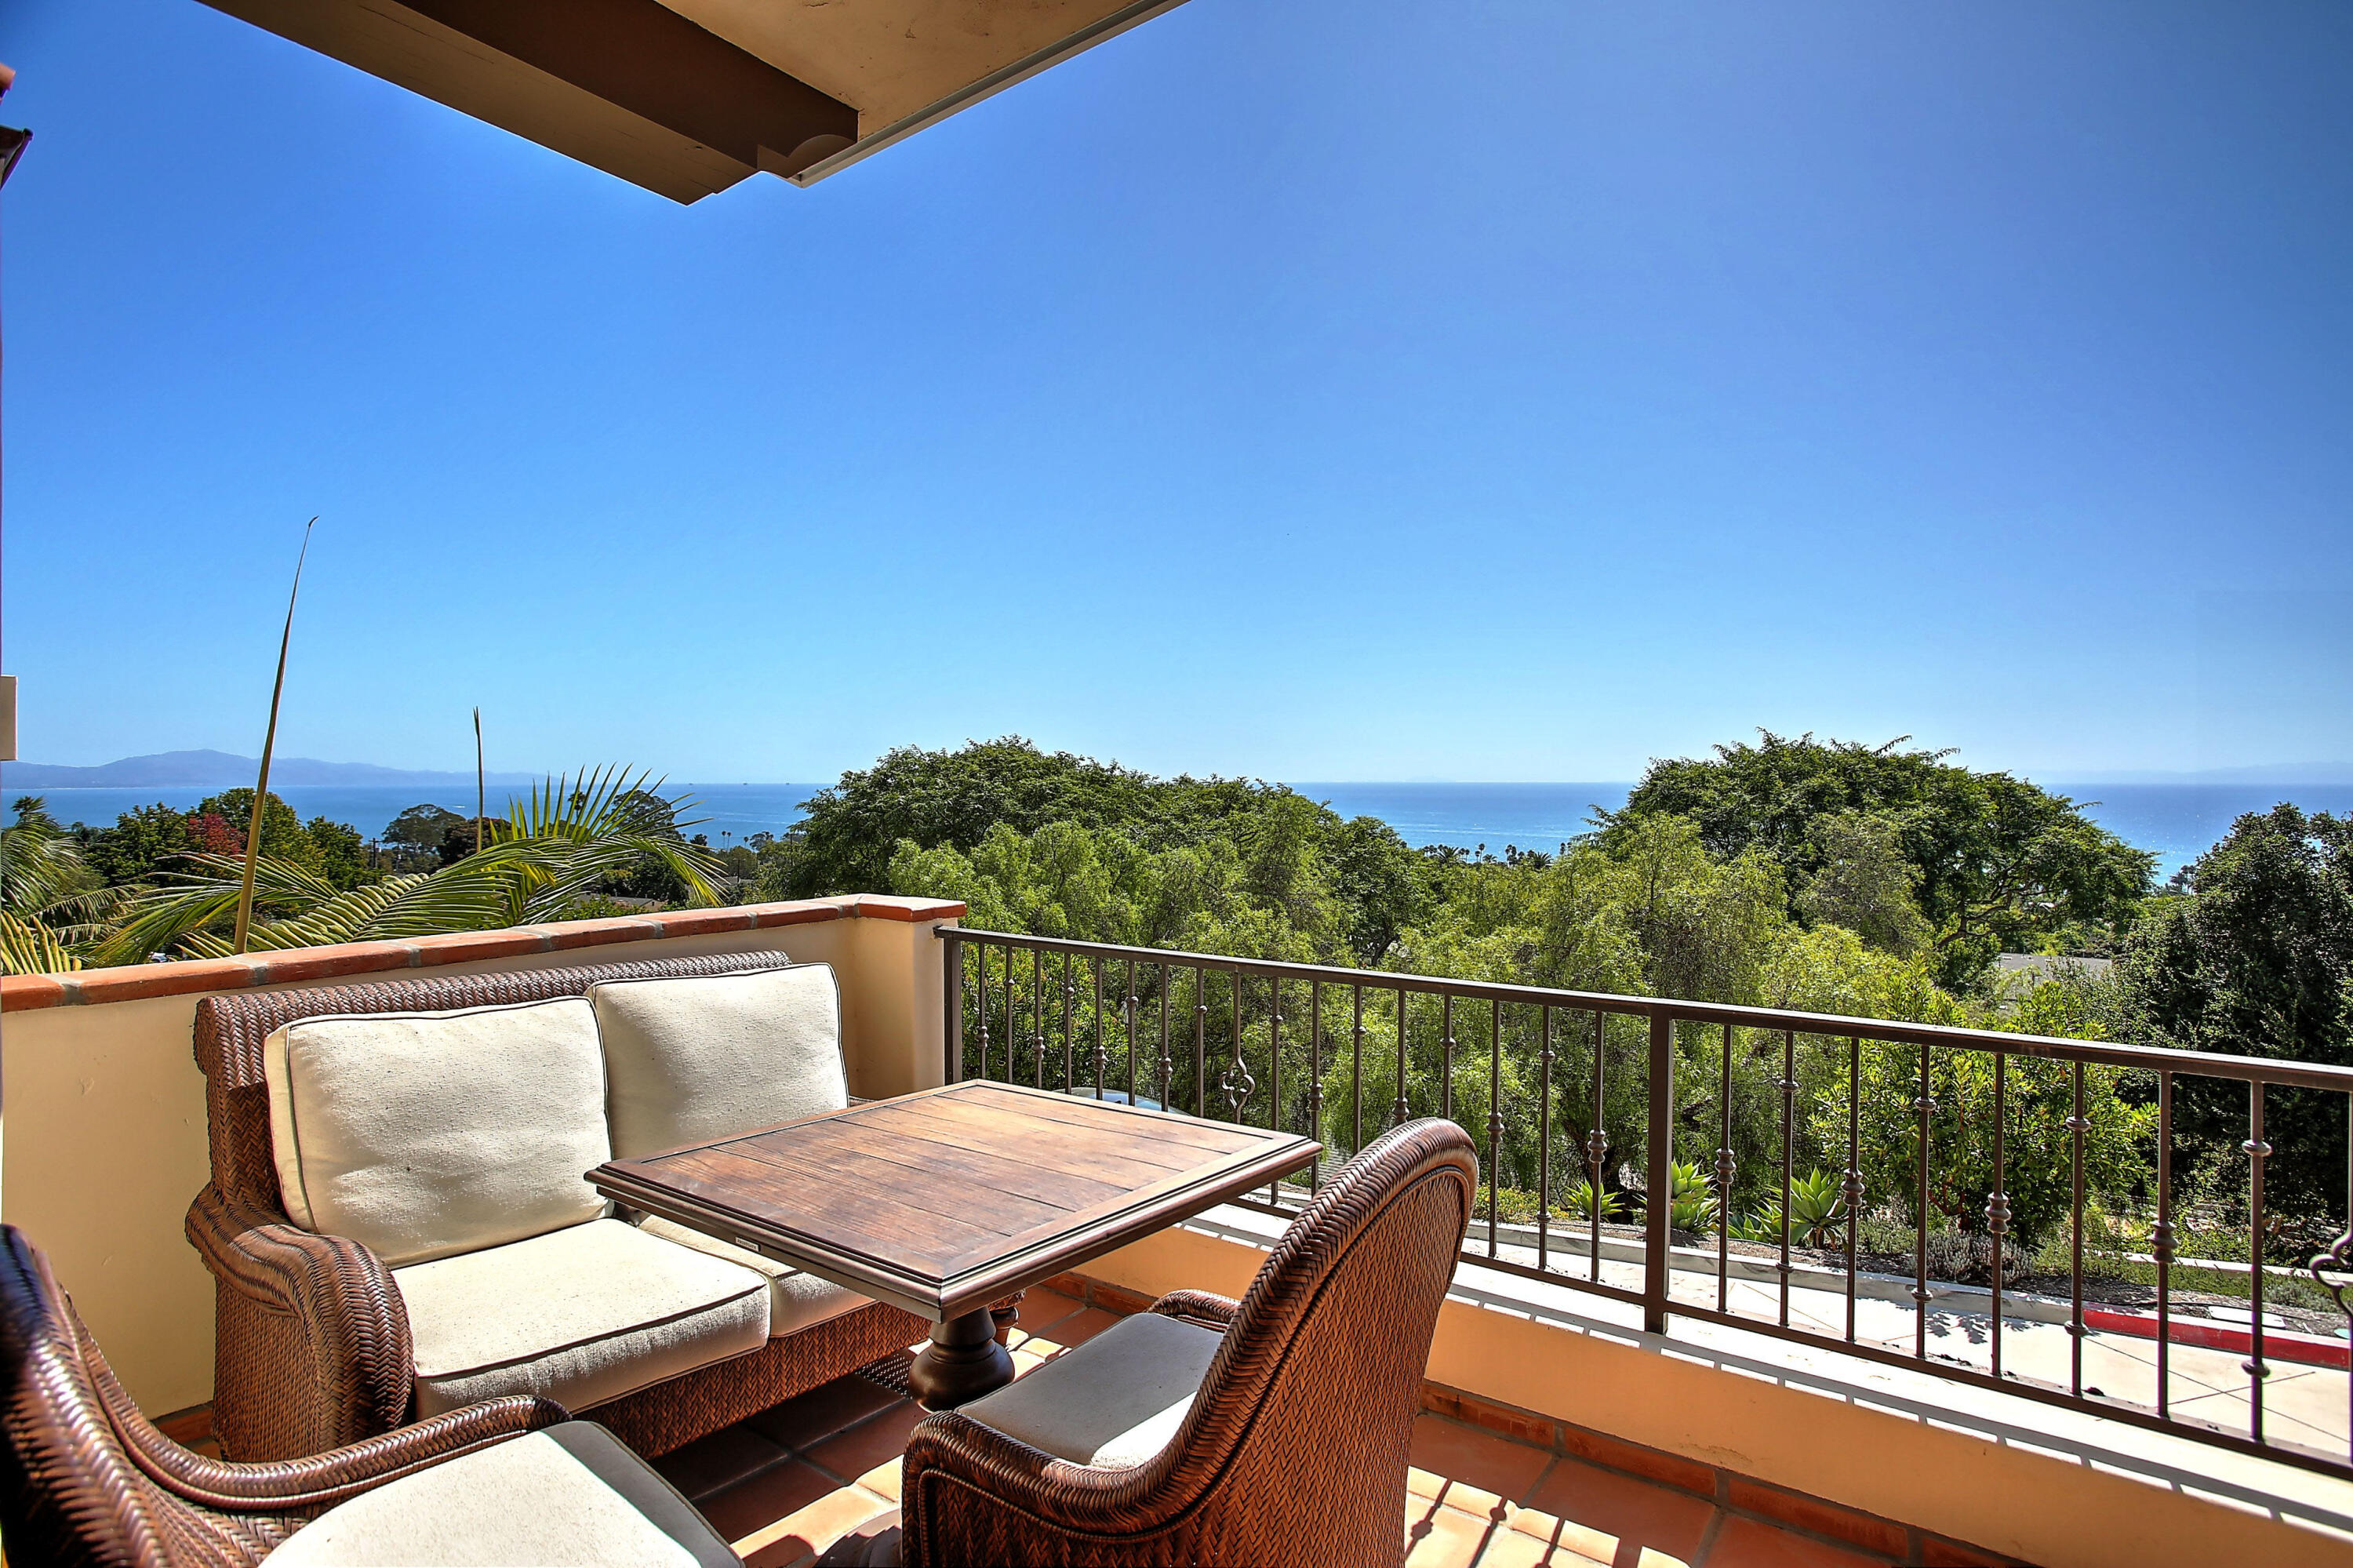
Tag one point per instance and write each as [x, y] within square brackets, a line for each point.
[945, 1199]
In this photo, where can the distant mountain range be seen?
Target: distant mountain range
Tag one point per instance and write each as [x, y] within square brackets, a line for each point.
[219, 771]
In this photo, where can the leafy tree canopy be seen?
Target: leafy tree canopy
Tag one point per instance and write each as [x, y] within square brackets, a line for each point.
[2257, 961]
[421, 827]
[1350, 884]
[1994, 864]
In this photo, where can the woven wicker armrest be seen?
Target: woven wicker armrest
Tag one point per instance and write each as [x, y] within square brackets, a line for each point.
[323, 1327]
[962, 1478]
[319, 1481]
[1200, 1308]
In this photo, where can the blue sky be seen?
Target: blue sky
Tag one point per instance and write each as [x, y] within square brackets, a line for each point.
[1342, 389]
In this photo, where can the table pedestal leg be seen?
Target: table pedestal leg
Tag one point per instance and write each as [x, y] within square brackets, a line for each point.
[963, 1361]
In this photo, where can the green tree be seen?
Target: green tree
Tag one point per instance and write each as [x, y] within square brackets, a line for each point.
[2000, 863]
[421, 829]
[1864, 883]
[283, 837]
[2258, 961]
[144, 842]
[342, 853]
[846, 841]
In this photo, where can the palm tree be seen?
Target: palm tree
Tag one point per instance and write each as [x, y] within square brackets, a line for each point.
[544, 862]
[50, 903]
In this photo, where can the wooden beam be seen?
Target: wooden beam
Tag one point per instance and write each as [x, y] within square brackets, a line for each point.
[628, 86]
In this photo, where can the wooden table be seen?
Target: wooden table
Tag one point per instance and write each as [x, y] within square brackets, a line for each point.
[944, 1201]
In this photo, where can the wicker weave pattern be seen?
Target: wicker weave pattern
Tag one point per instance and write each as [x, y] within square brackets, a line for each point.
[1294, 1450]
[86, 1479]
[311, 1349]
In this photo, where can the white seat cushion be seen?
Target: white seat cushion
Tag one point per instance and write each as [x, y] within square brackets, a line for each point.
[570, 1497]
[579, 1316]
[424, 1134]
[1115, 1401]
[692, 1061]
[797, 1299]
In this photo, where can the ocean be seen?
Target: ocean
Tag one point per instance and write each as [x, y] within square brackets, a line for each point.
[2176, 823]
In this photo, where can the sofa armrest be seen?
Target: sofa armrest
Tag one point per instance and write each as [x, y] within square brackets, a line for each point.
[318, 1480]
[1200, 1308]
[315, 1350]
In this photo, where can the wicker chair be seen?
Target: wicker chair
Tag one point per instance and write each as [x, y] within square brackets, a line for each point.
[1293, 1448]
[313, 1349]
[85, 1479]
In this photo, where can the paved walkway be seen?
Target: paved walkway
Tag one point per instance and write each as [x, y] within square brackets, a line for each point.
[785, 1484]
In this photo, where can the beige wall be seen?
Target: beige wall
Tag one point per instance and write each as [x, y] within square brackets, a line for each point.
[104, 1144]
[2076, 1490]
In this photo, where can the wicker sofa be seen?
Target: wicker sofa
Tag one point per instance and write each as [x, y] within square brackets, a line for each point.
[397, 1227]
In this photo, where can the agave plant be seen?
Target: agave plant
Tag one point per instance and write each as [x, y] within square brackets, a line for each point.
[1578, 1203]
[542, 862]
[1816, 1211]
[52, 905]
[1691, 1198]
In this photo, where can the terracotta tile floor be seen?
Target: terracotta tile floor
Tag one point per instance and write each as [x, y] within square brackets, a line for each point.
[785, 1484]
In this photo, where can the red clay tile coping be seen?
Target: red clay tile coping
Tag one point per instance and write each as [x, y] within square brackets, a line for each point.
[21, 993]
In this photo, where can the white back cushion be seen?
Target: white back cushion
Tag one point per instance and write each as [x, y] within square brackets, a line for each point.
[425, 1134]
[691, 1061]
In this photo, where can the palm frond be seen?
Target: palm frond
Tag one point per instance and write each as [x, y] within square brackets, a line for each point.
[29, 947]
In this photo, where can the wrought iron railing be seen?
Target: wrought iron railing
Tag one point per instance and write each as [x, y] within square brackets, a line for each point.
[1574, 1084]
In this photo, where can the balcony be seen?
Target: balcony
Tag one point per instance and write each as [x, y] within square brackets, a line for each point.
[1605, 1389]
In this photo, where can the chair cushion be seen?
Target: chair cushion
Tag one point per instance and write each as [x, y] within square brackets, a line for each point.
[425, 1134]
[1115, 1401]
[797, 1299]
[579, 1316]
[570, 1495]
[690, 1061]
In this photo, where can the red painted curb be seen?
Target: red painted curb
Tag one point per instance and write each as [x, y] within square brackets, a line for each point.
[2278, 1343]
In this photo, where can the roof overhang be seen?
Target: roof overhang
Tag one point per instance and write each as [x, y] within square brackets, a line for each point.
[688, 97]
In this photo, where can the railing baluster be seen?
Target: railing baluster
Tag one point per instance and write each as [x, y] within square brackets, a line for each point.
[1130, 1011]
[1274, 1071]
[1596, 1140]
[1544, 1144]
[1850, 1184]
[1356, 1075]
[1724, 1169]
[2257, 1151]
[982, 1010]
[1446, 1063]
[1658, 1201]
[1101, 1057]
[2076, 1126]
[1789, 1154]
[1038, 1010]
[1168, 1063]
[1201, 1042]
[1399, 1114]
[2160, 1246]
[1494, 1115]
[1238, 1082]
[1316, 1081]
[1926, 1108]
[1998, 1200]
[1012, 1028]
[1069, 1023]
